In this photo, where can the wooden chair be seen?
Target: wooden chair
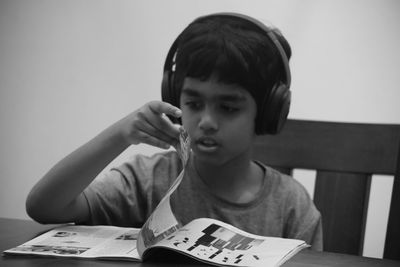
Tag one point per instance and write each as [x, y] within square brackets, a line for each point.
[344, 155]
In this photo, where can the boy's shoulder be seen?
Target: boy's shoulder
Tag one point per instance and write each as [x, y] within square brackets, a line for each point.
[284, 184]
[286, 189]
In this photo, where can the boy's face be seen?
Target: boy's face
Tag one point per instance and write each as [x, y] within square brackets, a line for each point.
[220, 119]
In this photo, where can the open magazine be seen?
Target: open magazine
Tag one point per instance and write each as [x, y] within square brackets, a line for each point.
[204, 239]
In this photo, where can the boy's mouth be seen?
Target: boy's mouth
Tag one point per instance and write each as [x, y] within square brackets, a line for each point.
[207, 144]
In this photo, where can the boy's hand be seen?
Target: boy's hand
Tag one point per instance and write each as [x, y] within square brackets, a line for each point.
[149, 124]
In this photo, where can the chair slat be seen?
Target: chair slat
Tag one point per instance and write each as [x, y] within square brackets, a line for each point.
[392, 242]
[341, 198]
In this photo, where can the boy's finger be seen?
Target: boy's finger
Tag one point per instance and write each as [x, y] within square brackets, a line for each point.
[166, 108]
[148, 130]
[163, 125]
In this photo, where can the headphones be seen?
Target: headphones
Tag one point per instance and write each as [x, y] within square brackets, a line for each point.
[275, 106]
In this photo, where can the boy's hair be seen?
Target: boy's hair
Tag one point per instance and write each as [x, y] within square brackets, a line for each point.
[236, 50]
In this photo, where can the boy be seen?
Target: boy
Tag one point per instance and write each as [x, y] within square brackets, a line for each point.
[229, 75]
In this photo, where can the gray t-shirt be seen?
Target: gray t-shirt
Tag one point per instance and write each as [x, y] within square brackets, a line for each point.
[126, 196]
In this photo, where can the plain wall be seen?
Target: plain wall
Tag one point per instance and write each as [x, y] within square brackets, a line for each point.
[68, 69]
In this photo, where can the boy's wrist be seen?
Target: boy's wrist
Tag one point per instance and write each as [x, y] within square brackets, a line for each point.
[116, 136]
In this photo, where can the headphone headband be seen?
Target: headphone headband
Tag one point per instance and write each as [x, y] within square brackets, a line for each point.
[270, 31]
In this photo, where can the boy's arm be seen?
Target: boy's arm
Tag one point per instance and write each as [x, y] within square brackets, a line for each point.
[58, 198]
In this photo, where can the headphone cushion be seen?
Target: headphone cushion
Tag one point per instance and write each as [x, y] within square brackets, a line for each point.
[275, 110]
[165, 88]
[168, 94]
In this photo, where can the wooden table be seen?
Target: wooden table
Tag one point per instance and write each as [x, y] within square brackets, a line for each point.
[14, 232]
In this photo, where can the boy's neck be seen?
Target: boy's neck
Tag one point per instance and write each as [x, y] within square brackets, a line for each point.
[236, 181]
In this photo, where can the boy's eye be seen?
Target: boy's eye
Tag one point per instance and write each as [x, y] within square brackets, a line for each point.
[229, 108]
[194, 105]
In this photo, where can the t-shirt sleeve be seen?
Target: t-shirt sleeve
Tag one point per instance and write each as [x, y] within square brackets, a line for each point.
[126, 195]
[304, 220]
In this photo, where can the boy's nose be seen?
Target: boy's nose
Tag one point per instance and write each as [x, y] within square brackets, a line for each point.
[208, 122]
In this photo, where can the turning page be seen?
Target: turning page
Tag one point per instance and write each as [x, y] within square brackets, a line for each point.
[162, 221]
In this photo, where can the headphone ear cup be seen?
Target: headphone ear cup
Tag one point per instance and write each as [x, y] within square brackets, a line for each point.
[168, 95]
[165, 88]
[275, 111]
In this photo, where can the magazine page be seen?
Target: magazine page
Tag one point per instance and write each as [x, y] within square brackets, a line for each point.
[218, 243]
[83, 242]
[162, 221]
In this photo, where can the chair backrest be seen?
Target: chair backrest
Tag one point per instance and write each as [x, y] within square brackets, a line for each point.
[344, 155]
